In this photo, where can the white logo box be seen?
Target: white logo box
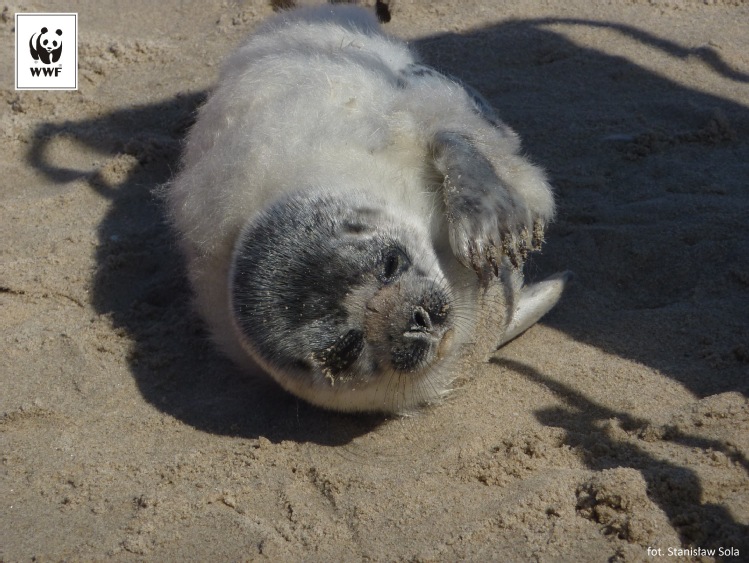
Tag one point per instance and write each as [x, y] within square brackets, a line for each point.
[46, 51]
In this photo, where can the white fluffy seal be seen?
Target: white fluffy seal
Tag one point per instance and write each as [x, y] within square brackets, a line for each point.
[345, 211]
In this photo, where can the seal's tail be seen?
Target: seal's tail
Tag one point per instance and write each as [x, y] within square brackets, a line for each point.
[534, 302]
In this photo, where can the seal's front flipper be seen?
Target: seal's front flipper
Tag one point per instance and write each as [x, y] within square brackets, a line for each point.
[485, 218]
[534, 301]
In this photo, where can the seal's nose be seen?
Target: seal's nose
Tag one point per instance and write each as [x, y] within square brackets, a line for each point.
[421, 321]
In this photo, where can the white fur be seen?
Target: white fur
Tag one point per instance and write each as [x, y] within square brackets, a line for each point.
[309, 101]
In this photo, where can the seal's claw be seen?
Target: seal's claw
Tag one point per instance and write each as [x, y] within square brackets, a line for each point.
[494, 257]
[538, 235]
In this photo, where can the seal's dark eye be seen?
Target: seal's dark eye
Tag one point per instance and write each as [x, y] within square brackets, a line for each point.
[394, 263]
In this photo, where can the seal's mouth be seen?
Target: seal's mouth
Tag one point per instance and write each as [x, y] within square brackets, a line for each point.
[417, 349]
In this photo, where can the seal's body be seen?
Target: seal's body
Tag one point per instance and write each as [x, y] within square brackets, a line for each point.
[345, 211]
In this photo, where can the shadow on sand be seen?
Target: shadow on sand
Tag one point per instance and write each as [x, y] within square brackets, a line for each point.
[676, 489]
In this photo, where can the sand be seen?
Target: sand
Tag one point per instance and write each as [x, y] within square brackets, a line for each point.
[617, 427]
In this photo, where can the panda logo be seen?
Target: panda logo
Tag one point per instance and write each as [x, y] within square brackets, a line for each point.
[45, 46]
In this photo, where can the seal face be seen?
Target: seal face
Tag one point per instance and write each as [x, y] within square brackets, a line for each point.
[332, 294]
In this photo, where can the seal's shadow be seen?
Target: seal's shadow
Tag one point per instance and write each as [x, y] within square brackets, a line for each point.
[140, 280]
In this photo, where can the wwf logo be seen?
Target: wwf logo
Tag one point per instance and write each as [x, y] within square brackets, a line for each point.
[42, 61]
[46, 46]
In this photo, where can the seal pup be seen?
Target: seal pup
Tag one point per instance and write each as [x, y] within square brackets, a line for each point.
[350, 216]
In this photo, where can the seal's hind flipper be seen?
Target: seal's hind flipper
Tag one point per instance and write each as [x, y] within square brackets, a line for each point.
[534, 302]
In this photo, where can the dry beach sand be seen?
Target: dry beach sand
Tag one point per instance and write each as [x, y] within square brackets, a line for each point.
[616, 427]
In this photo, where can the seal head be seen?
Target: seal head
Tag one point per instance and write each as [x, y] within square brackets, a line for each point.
[343, 302]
